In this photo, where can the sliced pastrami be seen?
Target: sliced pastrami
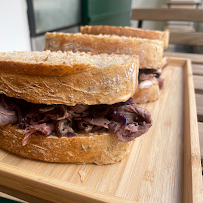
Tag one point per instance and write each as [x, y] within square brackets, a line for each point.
[161, 82]
[79, 108]
[126, 120]
[63, 127]
[45, 129]
[7, 116]
[139, 122]
[103, 122]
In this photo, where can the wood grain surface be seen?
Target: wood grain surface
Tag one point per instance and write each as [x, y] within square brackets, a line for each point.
[165, 14]
[163, 165]
[186, 38]
[197, 69]
[195, 58]
[200, 128]
[198, 83]
[199, 103]
[193, 188]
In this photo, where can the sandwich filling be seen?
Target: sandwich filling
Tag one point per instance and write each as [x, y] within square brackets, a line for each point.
[126, 119]
[148, 77]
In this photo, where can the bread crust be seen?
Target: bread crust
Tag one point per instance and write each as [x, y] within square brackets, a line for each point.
[99, 149]
[49, 63]
[42, 69]
[89, 85]
[150, 52]
[148, 94]
[128, 32]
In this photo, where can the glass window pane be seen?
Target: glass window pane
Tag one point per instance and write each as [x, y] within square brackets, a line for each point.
[56, 14]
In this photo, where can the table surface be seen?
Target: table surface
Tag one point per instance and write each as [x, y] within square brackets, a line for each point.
[197, 68]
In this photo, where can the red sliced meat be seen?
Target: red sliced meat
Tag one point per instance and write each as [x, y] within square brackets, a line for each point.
[139, 122]
[79, 108]
[45, 129]
[7, 116]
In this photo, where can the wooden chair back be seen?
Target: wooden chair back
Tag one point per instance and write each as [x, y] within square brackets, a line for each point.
[183, 3]
[170, 14]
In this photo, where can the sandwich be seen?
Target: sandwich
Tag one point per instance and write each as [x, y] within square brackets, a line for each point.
[70, 107]
[150, 54]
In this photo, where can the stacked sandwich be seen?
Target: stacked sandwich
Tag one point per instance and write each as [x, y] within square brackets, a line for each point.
[71, 107]
[148, 45]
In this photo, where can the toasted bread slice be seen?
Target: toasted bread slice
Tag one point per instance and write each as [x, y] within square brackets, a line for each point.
[146, 92]
[68, 78]
[150, 52]
[128, 32]
[100, 149]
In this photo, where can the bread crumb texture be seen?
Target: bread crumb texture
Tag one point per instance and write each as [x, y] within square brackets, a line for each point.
[99, 149]
[82, 176]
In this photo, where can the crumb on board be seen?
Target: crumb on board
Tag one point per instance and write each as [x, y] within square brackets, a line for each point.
[82, 176]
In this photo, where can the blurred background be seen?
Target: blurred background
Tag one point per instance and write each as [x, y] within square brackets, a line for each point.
[23, 23]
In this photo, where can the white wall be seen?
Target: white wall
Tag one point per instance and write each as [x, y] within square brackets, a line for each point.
[151, 25]
[14, 30]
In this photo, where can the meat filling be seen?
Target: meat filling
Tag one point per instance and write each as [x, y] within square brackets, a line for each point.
[126, 120]
[151, 74]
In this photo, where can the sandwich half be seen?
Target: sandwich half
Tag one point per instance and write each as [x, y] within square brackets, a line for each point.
[70, 107]
[150, 54]
[150, 81]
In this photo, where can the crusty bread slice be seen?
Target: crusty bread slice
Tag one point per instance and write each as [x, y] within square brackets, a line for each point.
[68, 78]
[128, 32]
[148, 93]
[150, 52]
[99, 149]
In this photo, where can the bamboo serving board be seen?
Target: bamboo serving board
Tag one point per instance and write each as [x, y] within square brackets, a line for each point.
[163, 165]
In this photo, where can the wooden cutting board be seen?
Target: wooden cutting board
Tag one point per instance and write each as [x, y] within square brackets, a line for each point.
[163, 165]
